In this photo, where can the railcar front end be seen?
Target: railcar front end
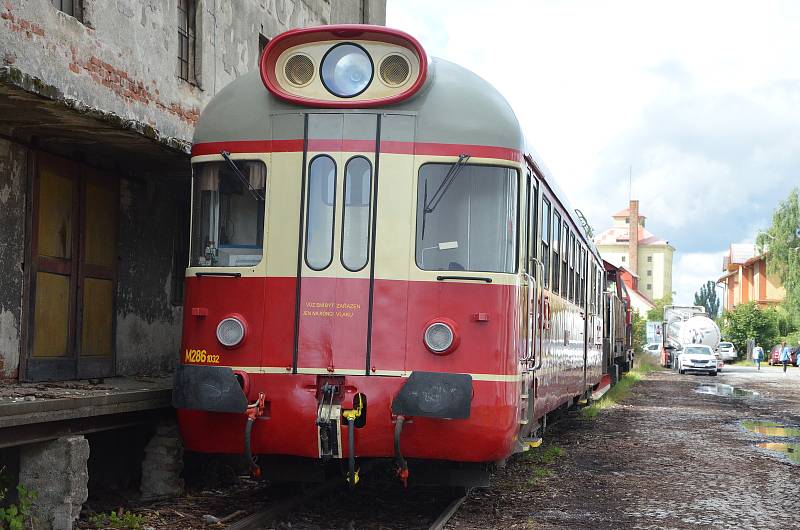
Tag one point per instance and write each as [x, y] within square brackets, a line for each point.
[369, 273]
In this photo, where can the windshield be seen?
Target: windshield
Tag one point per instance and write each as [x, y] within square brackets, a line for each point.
[471, 224]
[725, 345]
[228, 214]
[697, 350]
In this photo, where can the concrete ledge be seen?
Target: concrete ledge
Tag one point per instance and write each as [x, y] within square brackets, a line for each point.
[46, 412]
[39, 411]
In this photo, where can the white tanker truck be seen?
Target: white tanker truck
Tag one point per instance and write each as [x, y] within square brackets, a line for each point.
[686, 325]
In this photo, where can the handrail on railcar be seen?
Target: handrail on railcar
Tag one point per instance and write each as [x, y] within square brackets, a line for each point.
[537, 312]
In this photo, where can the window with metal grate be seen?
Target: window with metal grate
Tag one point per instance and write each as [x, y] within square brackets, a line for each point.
[187, 26]
[73, 8]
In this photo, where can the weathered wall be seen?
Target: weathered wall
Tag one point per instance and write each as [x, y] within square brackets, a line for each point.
[123, 57]
[152, 230]
[13, 160]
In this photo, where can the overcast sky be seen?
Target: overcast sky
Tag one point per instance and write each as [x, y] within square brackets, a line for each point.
[700, 98]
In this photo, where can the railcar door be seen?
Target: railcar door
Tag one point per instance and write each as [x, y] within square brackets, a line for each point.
[335, 272]
[532, 352]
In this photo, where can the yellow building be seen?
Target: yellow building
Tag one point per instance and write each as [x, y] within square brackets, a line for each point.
[649, 257]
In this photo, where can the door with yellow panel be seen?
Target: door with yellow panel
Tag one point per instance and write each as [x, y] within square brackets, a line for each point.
[71, 281]
[97, 273]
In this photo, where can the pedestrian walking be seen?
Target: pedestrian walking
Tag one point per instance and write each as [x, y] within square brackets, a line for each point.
[758, 356]
[786, 355]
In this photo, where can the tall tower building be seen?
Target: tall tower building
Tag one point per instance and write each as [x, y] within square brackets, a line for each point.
[630, 245]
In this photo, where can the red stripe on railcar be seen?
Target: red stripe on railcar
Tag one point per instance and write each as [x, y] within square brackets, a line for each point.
[388, 146]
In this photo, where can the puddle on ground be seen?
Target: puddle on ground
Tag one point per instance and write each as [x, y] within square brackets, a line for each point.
[792, 451]
[718, 389]
[771, 428]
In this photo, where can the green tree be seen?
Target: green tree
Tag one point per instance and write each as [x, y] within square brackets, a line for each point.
[639, 331]
[747, 321]
[657, 313]
[707, 297]
[781, 242]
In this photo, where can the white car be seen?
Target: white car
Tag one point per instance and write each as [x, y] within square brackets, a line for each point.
[653, 348]
[698, 358]
[727, 350]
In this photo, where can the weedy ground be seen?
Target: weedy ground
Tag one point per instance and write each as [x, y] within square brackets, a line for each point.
[622, 389]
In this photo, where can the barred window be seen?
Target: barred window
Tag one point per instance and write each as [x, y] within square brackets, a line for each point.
[187, 26]
[73, 8]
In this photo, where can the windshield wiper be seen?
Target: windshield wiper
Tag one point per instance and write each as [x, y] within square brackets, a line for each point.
[437, 196]
[430, 205]
[254, 192]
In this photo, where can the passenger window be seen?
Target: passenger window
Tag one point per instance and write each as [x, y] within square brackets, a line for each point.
[321, 208]
[571, 277]
[556, 249]
[546, 242]
[355, 218]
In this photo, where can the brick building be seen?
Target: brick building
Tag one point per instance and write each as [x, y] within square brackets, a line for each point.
[746, 279]
[98, 102]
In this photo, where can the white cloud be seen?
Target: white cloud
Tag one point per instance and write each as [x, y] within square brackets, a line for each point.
[692, 270]
[701, 99]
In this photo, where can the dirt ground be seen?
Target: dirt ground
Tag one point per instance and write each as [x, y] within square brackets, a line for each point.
[665, 457]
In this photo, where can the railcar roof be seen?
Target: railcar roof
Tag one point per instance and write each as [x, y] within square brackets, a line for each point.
[455, 106]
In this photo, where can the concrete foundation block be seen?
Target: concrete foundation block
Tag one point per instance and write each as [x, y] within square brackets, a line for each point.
[163, 464]
[58, 473]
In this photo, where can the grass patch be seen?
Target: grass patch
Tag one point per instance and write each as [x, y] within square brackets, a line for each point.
[623, 387]
[546, 455]
[541, 458]
[538, 473]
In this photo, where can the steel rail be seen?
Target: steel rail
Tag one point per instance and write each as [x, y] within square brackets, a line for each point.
[259, 519]
[448, 513]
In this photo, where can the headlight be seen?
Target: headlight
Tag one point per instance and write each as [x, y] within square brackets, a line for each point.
[439, 337]
[346, 70]
[230, 332]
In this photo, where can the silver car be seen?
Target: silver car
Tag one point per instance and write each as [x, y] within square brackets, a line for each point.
[728, 351]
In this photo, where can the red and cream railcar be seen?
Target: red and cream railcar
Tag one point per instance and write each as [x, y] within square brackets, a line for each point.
[379, 265]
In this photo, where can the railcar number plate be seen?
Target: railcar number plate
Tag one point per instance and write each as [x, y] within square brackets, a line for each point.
[199, 356]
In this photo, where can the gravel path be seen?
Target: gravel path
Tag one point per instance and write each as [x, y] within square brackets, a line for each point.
[666, 457]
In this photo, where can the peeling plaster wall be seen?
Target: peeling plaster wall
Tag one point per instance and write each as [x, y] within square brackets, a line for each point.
[152, 227]
[123, 57]
[13, 159]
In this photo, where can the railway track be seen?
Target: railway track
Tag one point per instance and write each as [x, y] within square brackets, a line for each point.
[448, 513]
[264, 518]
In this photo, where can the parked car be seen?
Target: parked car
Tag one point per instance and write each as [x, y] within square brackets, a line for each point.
[698, 358]
[653, 348]
[775, 356]
[728, 351]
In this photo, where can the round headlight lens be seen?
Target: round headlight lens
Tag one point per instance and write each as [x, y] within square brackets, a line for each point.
[230, 332]
[346, 70]
[438, 337]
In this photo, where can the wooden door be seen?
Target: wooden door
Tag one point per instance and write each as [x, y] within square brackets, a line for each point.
[97, 275]
[72, 248]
